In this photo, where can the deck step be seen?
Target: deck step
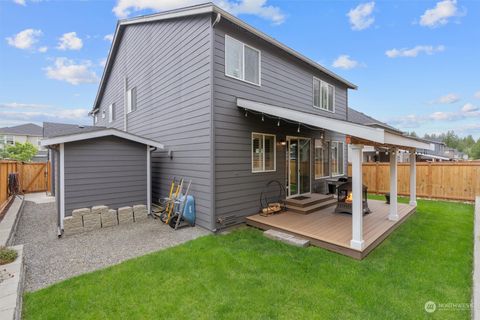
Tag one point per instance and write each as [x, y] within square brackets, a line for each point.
[311, 200]
[312, 208]
[286, 238]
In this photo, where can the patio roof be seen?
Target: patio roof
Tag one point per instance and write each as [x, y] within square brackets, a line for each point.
[366, 134]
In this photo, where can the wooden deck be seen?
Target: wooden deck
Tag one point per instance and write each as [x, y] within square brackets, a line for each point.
[333, 231]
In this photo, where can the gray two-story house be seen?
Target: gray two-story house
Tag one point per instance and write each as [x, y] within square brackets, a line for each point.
[234, 108]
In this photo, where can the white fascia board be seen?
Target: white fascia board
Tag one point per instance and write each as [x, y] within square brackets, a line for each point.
[403, 141]
[183, 12]
[345, 127]
[98, 134]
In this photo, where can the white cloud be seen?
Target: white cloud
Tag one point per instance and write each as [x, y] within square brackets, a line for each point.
[43, 49]
[413, 52]
[20, 2]
[25, 39]
[108, 37]
[345, 62]
[468, 111]
[446, 99]
[440, 14]
[14, 113]
[124, 8]
[468, 108]
[70, 41]
[361, 16]
[74, 73]
[477, 94]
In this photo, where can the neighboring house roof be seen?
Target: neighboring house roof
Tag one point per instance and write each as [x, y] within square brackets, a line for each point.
[361, 118]
[197, 10]
[53, 129]
[102, 132]
[28, 129]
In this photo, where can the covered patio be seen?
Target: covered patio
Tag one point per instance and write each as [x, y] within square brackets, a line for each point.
[356, 234]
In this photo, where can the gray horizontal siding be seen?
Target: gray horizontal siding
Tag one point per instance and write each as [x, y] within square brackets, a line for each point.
[105, 171]
[169, 62]
[285, 82]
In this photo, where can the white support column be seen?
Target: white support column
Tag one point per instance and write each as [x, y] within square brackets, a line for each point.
[393, 215]
[357, 201]
[413, 179]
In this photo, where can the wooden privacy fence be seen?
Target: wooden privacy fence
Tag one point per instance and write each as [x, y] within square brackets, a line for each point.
[438, 180]
[34, 177]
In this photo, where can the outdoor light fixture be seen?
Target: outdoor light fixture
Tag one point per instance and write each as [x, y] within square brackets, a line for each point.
[246, 113]
[283, 142]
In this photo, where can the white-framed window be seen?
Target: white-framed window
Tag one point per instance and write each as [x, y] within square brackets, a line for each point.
[10, 140]
[242, 61]
[337, 155]
[131, 100]
[103, 114]
[264, 158]
[111, 112]
[321, 159]
[323, 95]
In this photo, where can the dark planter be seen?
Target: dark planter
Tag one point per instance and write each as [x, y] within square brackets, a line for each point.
[387, 197]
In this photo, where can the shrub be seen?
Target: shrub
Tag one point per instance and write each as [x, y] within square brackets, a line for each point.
[7, 255]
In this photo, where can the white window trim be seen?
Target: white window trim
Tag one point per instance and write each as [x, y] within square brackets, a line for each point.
[103, 114]
[130, 105]
[95, 118]
[327, 145]
[110, 113]
[343, 163]
[274, 151]
[313, 95]
[259, 84]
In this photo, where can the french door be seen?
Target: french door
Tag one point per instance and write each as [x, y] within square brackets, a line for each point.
[298, 166]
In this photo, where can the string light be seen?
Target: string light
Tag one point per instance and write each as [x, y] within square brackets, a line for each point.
[298, 130]
[246, 113]
[278, 122]
[263, 118]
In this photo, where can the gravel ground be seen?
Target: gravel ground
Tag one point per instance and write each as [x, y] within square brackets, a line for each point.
[50, 259]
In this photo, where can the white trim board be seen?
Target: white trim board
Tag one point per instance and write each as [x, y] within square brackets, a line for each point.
[98, 134]
[62, 184]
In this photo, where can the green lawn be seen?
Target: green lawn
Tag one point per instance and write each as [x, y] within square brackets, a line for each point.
[243, 275]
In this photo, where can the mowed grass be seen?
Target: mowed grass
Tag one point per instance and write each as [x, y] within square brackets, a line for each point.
[243, 275]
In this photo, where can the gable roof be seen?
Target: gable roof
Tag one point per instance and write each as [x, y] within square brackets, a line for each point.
[197, 10]
[54, 129]
[101, 132]
[28, 129]
[361, 118]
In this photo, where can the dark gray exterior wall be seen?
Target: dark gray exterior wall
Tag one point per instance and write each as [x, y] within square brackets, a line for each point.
[285, 82]
[169, 62]
[105, 171]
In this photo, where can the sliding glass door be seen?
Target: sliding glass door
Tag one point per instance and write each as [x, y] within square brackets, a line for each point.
[298, 166]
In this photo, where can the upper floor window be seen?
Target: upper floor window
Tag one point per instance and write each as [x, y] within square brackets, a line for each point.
[111, 112]
[242, 61]
[10, 140]
[337, 156]
[263, 152]
[323, 95]
[131, 100]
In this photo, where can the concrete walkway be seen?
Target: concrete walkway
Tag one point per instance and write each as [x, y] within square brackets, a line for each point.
[50, 259]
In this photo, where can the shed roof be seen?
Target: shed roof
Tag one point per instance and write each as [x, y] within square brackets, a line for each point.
[197, 10]
[101, 132]
[28, 129]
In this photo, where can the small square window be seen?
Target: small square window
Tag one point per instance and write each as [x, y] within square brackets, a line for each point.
[111, 113]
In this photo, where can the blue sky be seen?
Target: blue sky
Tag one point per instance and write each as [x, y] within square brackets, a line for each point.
[416, 63]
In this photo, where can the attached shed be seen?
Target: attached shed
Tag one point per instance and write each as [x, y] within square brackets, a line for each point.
[101, 167]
